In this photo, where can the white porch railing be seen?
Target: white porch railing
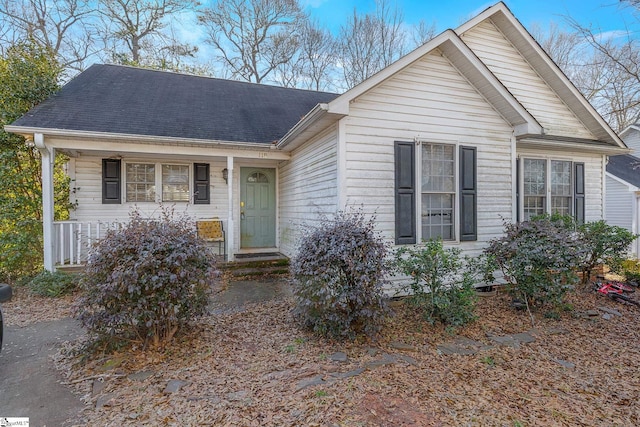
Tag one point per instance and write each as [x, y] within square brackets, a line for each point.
[72, 239]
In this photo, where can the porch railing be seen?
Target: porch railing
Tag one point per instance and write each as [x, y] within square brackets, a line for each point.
[72, 239]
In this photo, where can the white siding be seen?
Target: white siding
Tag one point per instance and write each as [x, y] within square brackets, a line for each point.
[504, 60]
[88, 194]
[619, 204]
[429, 101]
[307, 187]
[632, 139]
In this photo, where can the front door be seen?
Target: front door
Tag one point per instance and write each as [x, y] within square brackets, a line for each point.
[257, 208]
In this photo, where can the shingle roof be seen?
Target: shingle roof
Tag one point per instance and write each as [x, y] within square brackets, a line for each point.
[626, 167]
[127, 100]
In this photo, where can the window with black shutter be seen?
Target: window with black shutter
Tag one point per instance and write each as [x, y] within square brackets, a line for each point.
[468, 194]
[111, 181]
[405, 192]
[201, 188]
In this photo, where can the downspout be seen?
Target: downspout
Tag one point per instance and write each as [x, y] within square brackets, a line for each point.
[48, 158]
[230, 222]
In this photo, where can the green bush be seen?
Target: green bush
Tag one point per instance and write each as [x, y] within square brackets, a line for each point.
[49, 284]
[631, 270]
[606, 245]
[538, 259]
[442, 282]
[338, 275]
[144, 282]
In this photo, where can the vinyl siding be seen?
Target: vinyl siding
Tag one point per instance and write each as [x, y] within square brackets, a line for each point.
[619, 204]
[308, 187]
[510, 67]
[429, 101]
[632, 139]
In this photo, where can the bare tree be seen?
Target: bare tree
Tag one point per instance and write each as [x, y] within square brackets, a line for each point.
[423, 32]
[370, 42]
[314, 63]
[135, 31]
[62, 26]
[253, 37]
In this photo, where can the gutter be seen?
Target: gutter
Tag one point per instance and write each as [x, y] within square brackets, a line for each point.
[28, 133]
[313, 116]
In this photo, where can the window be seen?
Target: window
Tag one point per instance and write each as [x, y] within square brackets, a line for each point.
[438, 191]
[141, 182]
[175, 183]
[446, 175]
[552, 186]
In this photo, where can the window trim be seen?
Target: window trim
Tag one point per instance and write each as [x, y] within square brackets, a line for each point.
[456, 187]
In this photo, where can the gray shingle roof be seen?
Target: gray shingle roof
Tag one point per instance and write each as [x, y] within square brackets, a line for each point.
[127, 100]
[626, 167]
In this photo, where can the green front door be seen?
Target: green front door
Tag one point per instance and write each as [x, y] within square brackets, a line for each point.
[257, 208]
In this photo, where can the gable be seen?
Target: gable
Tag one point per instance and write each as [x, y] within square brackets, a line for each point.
[513, 70]
[430, 98]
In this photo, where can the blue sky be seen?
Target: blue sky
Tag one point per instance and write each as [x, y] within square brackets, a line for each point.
[604, 15]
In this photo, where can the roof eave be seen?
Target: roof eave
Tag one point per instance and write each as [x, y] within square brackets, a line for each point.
[28, 133]
[574, 144]
[318, 118]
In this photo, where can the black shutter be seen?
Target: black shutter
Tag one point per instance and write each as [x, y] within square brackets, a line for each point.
[405, 192]
[201, 190]
[578, 194]
[518, 168]
[468, 194]
[111, 181]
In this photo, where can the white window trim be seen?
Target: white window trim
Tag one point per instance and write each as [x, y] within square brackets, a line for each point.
[158, 180]
[548, 160]
[456, 197]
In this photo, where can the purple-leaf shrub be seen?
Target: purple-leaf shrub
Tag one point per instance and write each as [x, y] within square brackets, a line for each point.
[338, 275]
[145, 281]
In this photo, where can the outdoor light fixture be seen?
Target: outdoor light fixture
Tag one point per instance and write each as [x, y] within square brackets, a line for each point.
[225, 175]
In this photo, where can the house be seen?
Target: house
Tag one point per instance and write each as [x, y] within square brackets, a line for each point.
[474, 127]
[622, 199]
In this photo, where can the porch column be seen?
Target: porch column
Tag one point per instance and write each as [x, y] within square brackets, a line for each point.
[230, 226]
[48, 158]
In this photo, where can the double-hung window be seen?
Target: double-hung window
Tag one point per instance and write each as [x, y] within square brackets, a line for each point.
[552, 186]
[435, 195]
[438, 191]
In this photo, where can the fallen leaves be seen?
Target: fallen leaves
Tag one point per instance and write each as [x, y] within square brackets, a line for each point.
[246, 367]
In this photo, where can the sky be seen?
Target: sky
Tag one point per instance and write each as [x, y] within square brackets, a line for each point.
[603, 15]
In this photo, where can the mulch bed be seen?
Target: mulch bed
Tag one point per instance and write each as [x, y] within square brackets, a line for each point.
[258, 368]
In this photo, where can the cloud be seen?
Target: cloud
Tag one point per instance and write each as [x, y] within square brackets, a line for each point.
[611, 35]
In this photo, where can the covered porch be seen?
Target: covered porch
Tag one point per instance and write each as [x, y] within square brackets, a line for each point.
[235, 180]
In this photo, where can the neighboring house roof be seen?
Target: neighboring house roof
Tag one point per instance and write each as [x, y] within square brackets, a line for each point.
[630, 128]
[135, 101]
[625, 167]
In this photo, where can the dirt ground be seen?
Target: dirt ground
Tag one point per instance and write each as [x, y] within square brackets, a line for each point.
[256, 367]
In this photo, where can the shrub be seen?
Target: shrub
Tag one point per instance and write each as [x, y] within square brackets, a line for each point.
[338, 276]
[605, 244]
[442, 282]
[49, 284]
[144, 282]
[631, 270]
[538, 259]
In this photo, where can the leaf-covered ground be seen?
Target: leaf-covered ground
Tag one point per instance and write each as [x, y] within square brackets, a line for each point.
[257, 368]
